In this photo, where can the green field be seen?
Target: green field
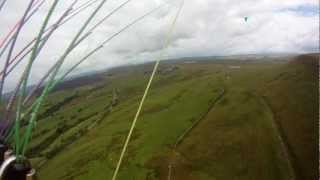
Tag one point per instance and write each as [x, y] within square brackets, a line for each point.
[210, 119]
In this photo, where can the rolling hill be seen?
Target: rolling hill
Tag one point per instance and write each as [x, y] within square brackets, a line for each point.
[208, 119]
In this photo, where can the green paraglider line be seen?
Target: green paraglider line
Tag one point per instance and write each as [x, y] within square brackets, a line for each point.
[26, 74]
[77, 39]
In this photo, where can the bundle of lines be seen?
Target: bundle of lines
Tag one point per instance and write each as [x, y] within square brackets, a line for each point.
[18, 112]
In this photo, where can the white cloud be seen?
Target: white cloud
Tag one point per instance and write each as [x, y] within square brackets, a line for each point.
[206, 27]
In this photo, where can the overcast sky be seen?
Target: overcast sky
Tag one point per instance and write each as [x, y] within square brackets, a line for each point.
[205, 28]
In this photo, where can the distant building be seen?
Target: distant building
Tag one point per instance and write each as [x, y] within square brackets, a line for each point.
[190, 62]
[234, 67]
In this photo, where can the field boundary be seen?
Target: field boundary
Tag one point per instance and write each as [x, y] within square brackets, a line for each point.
[194, 124]
[282, 139]
[187, 132]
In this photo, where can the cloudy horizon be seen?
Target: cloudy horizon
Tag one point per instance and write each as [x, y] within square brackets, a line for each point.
[205, 28]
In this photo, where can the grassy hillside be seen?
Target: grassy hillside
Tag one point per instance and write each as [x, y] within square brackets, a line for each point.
[202, 120]
[294, 101]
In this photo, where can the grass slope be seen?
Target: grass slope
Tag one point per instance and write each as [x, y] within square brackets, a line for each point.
[263, 127]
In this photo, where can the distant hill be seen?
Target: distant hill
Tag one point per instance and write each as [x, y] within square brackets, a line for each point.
[94, 77]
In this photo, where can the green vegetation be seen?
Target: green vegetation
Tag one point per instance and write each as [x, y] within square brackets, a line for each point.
[264, 125]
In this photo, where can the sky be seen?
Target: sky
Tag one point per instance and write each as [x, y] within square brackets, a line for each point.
[204, 28]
